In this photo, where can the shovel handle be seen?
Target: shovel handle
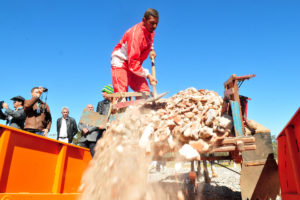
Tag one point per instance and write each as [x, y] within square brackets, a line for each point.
[154, 76]
[153, 68]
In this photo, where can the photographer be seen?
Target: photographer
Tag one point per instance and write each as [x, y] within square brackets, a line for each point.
[14, 118]
[38, 116]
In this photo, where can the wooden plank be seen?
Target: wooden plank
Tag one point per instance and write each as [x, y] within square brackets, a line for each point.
[224, 149]
[240, 145]
[93, 118]
[237, 121]
[128, 94]
[250, 147]
[233, 140]
[241, 78]
[233, 148]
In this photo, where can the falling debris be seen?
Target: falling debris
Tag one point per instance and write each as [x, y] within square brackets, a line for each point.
[190, 123]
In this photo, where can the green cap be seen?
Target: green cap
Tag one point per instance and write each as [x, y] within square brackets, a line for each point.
[108, 89]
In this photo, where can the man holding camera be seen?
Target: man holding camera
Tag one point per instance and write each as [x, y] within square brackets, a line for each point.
[38, 116]
[14, 118]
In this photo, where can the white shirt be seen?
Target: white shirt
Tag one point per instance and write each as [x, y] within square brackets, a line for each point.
[63, 128]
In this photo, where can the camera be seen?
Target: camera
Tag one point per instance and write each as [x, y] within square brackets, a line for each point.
[1, 104]
[45, 89]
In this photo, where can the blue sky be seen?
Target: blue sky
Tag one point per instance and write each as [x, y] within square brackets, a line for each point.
[66, 47]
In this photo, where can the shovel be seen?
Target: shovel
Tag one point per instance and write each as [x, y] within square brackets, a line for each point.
[155, 95]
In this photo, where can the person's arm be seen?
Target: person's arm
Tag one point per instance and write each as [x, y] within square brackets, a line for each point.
[86, 128]
[83, 128]
[92, 128]
[28, 104]
[80, 126]
[57, 128]
[134, 47]
[2, 115]
[48, 118]
[75, 130]
[18, 114]
[98, 107]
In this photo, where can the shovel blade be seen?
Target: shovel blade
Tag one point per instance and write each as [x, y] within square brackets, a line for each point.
[153, 99]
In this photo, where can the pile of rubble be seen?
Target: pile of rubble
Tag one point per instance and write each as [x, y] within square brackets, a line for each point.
[189, 122]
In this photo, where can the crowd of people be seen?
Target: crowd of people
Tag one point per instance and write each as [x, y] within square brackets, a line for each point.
[33, 115]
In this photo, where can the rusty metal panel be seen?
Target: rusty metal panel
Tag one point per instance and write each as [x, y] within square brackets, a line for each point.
[264, 147]
[249, 179]
[93, 118]
[260, 181]
[259, 175]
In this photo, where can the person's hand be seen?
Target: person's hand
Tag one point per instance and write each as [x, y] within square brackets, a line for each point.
[152, 80]
[152, 54]
[85, 131]
[40, 91]
[5, 105]
[45, 132]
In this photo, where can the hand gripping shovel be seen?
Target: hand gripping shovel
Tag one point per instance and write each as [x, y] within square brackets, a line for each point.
[155, 95]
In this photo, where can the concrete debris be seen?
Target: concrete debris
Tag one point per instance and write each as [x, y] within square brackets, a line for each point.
[256, 127]
[191, 117]
[189, 153]
[189, 123]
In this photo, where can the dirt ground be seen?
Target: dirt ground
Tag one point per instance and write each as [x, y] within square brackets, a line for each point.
[225, 186]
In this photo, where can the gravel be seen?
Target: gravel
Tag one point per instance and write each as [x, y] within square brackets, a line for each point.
[224, 186]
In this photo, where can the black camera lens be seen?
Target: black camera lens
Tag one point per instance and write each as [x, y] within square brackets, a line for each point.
[45, 89]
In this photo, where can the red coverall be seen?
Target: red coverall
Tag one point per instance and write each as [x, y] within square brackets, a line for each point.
[127, 58]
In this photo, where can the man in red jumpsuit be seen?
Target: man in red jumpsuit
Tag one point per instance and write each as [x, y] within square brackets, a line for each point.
[128, 56]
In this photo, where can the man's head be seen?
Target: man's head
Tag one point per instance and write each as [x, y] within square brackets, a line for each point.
[108, 89]
[18, 101]
[35, 92]
[150, 19]
[65, 112]
[90, 107]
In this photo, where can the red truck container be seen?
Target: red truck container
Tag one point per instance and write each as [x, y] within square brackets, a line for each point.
[35, 167]
[289, 159]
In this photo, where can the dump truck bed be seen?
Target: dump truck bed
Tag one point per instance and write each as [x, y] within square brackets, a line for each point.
[36, 167]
